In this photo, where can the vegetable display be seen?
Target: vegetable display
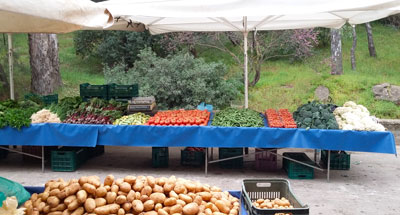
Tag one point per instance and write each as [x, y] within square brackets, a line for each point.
[316, 116]
[66, 106]
[10, 206]
[281, 119]
[232, 117]
[13, 115]
[180, 118]
[133, 119]
[272, 203]
[45, 116]
[131, 195]
[356, 117]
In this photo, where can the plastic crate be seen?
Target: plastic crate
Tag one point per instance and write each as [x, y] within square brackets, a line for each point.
[3, 152]
[95, 151]
[266, 160]
[88, 91]
[47, 100]
[253, 189]
[123, 92]
[340, 160]
[36, 150]
[68, 159]
[192, 158]
[296, 170]
[160, 157]
[231, 152]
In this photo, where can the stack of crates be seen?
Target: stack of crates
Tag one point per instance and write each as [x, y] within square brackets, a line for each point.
[192, 158]
[296, 170]
[68, 159]
[231, 152]
[266, 161]
[340, 160]
[160, 157]
[47, 100]
[88, 91]
[122, 92]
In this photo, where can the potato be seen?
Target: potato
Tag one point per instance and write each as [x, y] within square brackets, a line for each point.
[138, 185]
[100, 202]
[59, 207]
[121, 211]
[35, 212]
[72, 189]
[170, 202]
[131, 196]
[108, 188]
[89, 188]
[213, 200]
[130, 179]
[52, 201]
[144, 198]
[34, 197]
[190, 186]
[173, 194]
[137, 195]
[46, 209]
[120, 193]
[147, 190]
[37, 202]
[41, 206]
[158, 197]
[69, 199]
[127, 206]
[199, 187]
[109, 180]
[101, 192]
[107, 209]
[83, 180]
[119, 181]
[94, 180]
[114, 188]
[151, 181]
[54, 192]
[90, 205]
[161, 181]
[206, 196]
[185, 198]
[190, 209]
[181, 202]
[110, 197]
[162, 212]
[125, 187]
[78, 211]
[198, 200]
[81, 196]
[120, 199]
[168, 186]
[55, 213]
[180, 188]
[66, 212]
[208, 211]
[73, 205]
[62, 194]
[63, 185]
[158, 189]
[148, 205]
[192, 195]
[234, 212]
[151, 213]
[176, 209]
[167, 209]
[54, 185]
[137, 206]
[222, 207]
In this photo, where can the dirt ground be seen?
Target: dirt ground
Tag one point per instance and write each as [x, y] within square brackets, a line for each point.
[369, 187]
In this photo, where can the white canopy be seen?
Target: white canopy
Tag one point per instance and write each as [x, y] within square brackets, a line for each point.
[51, 16]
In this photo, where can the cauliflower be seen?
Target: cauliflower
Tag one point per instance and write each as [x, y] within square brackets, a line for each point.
[45, 115]
[10, 207]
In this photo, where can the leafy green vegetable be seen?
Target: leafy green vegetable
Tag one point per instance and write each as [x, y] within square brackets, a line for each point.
[315, 115]
[232, 117]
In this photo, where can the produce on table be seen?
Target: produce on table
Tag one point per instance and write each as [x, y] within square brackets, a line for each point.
[180, 117]
[194, 149]
[281, 119]
[44, 116]
[316, 116]
[272, 203]
[133, 119]
[66, 106]
[16, 117]
[131, 195]
[10, 206]
[356, 117]
[232, 117]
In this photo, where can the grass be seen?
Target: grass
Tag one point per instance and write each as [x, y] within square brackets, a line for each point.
[282, 84]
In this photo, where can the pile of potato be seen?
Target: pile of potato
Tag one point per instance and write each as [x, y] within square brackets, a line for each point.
[282, 203]
[131, 196]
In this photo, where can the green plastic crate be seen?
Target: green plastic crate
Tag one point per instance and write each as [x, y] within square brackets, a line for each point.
[340, 160]
[47, 100]
[253, 189]
[3, 152]
[160, 157]
[88, 91]
[296, 170]
[122, 92]
[68, 159]
[236, 163]
[192, 158]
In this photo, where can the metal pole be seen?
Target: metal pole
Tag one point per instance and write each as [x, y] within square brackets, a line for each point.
[329, 165]
[246, 89]
[206, 163]
[11, 65]
[42, 158]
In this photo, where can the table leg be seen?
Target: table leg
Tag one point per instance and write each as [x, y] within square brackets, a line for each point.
[206, 163]
[42, 158]
[212, 153]
[329, 164]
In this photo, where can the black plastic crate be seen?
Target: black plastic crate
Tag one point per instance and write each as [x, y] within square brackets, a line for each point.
[296, 170]
[36, 150]
[340, 160]
[68, 159]
[192, 158]
[123, 92]
[47, 100]
[253, 189]
[160, 157]
[95, 151]
[88, 91]
[3, 152]
[236, 163]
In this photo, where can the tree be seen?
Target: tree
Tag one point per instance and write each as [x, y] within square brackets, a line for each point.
[4, 86]
[371, 46]
[336, 52]
[353, 49]
[43, 50]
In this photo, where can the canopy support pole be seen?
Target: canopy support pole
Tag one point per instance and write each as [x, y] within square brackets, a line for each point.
[10, 65]
[246, 82]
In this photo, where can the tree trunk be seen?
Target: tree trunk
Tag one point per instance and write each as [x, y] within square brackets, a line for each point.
[353, 49]
[336, 52]
[4, 86]
[43, 50]
[371, 46]
[257, 75]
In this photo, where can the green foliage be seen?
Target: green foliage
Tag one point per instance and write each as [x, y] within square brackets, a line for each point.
[16, 115]
[66, 106]
[179, 81]
[232, 117]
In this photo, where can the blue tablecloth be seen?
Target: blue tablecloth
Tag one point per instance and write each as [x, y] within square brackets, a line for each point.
[198, 136]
